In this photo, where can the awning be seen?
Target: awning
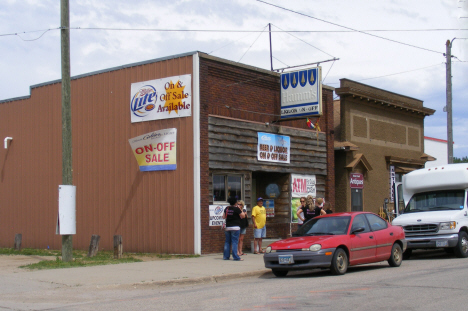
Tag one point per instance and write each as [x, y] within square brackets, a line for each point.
[359, 158]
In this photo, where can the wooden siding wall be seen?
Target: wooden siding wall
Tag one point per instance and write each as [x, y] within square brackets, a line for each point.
[233, 145]
[153, 211]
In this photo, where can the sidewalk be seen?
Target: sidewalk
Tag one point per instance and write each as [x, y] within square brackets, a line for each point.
[204, 269]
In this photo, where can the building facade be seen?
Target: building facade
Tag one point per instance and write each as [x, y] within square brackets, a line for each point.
[379, 137]
[163, 211]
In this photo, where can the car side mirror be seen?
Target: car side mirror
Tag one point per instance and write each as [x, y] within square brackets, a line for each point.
[357, 230]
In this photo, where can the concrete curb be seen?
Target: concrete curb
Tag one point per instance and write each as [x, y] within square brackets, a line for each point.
[200, 280]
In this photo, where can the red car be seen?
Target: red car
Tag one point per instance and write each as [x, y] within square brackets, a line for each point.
[337, 241]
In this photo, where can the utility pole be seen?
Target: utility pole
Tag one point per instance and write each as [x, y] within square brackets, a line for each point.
[448, 107]
[67, 177]
[271, 52]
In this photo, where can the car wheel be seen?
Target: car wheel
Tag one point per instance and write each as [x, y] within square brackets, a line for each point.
[407, 254]
[396, 257]
[339, 264]
[461, 250]
[279, 273]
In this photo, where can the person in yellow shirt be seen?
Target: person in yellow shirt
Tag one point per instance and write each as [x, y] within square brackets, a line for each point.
[259, 221]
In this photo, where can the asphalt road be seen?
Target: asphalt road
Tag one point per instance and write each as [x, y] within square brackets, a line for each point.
[429, 281]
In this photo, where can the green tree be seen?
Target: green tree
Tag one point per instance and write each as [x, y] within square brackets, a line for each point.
[462, 160]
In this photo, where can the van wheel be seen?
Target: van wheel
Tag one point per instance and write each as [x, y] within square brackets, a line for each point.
[461, 250]
[396, 257]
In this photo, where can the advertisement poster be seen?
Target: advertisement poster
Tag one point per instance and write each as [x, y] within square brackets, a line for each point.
[273, 148]
[303, 185]
[269, 207]
[295, 206]
[156, 151]
[301, 93]
[216, 215]
[161, 99]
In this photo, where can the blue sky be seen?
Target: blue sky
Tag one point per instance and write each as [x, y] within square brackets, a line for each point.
[32, 56]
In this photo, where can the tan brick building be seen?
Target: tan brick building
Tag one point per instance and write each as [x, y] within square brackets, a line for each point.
[379, 136]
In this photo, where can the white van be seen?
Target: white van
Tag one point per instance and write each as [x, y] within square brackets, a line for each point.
[436, 212]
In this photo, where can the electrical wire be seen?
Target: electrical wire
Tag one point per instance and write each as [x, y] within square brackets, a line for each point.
[244, 31]
[393, 74]
[252, 44]
[349, 28]
[328, 71]
[305, 42]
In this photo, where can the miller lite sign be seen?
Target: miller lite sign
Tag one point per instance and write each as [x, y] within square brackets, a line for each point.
[356, 181]
[161, 99]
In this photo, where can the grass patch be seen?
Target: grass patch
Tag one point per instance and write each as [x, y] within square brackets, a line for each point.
[81, 259]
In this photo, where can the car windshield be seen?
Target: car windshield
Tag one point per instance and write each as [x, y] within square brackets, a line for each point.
[324, 226]
[436, 201]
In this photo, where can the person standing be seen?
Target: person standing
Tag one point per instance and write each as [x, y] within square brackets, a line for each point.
[233, 216]
[243, 226]
[319, 207]
[259, 221]
[308, 209]
[300, 212]
[328, 208]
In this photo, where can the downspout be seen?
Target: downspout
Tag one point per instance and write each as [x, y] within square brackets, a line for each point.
[196, 155]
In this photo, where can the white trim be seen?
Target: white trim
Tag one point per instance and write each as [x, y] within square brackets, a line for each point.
[196, 155]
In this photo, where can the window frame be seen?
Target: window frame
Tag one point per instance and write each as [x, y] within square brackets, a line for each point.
[369, 216]
[226, 186]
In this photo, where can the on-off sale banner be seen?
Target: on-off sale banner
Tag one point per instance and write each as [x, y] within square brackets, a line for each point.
[161, 99]
[156, 151]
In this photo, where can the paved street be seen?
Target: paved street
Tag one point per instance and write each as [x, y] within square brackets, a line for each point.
[429, 281]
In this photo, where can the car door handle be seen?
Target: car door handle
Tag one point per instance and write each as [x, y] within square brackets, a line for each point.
[371, 237]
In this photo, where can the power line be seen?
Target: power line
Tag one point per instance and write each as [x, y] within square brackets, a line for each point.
[306, 42]
[241, 31]
[393, 74]
[349, 28]
[252, 44]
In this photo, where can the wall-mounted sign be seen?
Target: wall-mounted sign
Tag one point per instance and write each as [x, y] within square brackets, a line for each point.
[272, 191]
[156, 151]
[273, 148]
[216, 215]
[301, 93]
[161, 99]
[392, 182]
[356, 181]
[269, 207]
[303, 185]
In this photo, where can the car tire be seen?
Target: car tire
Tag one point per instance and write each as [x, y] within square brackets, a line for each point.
[280, 273]
[396, 257]
[407, 254]
[339, 264]
[461, 250]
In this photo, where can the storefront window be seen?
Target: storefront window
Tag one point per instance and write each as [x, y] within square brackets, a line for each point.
[225, 186]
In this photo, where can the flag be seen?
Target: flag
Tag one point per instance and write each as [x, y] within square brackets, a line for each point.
[310, 124]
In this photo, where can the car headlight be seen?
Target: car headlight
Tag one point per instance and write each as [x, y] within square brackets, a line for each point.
[448, 225]
[268, 250]
[315, 248]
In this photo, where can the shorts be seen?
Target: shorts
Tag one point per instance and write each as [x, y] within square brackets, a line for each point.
[243, 230]
[260, 233]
